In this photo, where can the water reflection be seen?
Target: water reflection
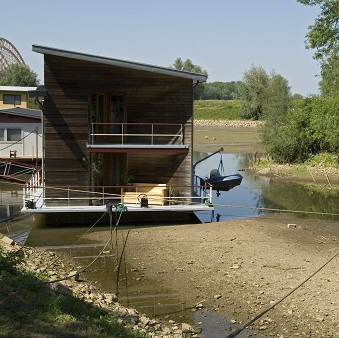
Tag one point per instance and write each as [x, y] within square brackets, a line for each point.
[302, 200]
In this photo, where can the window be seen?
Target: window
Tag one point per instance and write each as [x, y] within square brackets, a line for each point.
[12, 99]
[13, 134]
[10, 135]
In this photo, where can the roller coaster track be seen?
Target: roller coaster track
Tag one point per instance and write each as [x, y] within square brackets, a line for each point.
[9, 54]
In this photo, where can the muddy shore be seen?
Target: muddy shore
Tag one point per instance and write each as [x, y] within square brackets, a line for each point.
[240, 268]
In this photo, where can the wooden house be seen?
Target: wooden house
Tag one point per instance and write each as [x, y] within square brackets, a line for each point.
[115, 128]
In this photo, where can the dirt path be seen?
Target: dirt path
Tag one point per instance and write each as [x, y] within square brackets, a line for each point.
[240, 268]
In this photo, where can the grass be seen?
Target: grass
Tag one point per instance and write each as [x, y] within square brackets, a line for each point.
[31, 309]
[217, 110]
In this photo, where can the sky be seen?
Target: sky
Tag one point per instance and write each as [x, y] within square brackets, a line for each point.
[225, 37]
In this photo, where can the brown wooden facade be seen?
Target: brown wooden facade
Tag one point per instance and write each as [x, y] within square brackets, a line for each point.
[82, 91]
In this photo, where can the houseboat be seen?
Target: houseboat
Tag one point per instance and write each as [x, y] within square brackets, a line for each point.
[117, 136]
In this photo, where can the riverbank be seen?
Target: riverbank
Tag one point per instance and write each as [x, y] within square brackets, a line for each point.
[43, 295]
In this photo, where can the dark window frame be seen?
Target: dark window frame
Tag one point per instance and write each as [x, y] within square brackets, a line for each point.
[14, 99]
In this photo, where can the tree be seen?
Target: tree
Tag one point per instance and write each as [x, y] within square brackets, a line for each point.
[323, 36]
[18, 75]
[187, 66]
[263, 95]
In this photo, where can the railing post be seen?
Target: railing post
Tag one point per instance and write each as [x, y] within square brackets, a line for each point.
[68, 196]
[181, 133]
[152, 133]
[122, 134]
[92, 136]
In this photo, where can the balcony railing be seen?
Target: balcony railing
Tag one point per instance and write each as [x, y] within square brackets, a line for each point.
[137, 133]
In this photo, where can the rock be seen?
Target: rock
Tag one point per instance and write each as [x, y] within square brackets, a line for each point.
[74, 275]
[144, 321]
[8, 240]
[235, 266]
[217, 296]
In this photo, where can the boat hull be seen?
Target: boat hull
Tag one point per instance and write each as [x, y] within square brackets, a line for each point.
[225, 183]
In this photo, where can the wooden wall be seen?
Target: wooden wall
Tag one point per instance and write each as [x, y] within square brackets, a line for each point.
[150, 97]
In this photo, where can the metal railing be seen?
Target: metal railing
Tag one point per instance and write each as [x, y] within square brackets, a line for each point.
[101, 195]
[143, 133]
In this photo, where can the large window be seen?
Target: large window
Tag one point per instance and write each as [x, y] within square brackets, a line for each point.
[10, 134]
[12, 99]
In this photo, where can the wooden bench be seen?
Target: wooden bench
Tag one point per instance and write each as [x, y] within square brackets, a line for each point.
[156, 193]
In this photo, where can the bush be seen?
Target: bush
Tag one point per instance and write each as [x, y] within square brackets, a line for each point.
[309, 128]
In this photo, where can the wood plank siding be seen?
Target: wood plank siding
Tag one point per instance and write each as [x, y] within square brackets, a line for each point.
[150, 98]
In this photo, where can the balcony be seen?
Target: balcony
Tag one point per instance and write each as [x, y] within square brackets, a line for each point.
[128, 137]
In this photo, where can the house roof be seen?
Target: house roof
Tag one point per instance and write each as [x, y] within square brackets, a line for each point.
[23, 112]
[16, 89]
[119, 63]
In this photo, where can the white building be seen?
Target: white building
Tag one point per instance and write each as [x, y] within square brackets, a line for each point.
[20, 133]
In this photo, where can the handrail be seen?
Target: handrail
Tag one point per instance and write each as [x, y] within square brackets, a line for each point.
[79, 193]
[179, 133]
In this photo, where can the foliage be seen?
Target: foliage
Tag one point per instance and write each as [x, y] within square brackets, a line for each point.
[263, 95]
[32, 309]
[18, 75]
[309, 128]
[324, 159]
[323, 36]
[187, 66]
[219, 91]
[217, 110]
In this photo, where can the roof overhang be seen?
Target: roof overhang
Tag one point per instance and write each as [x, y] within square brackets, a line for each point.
[195, 77]
[22, 112]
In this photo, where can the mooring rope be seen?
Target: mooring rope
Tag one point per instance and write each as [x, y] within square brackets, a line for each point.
[243, 327]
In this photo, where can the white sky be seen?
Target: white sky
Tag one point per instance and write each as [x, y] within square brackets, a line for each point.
[225, 37]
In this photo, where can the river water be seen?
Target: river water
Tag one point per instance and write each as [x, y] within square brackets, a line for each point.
[255, 196]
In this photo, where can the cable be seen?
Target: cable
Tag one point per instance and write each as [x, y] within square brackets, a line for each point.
[236, 332]
[18, 141]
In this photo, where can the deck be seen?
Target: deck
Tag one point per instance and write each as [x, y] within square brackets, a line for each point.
[80, 207]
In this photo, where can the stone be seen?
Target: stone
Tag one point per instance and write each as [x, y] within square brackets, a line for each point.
[8, 240]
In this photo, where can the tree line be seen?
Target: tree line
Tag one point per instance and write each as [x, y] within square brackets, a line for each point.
[296, 128]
